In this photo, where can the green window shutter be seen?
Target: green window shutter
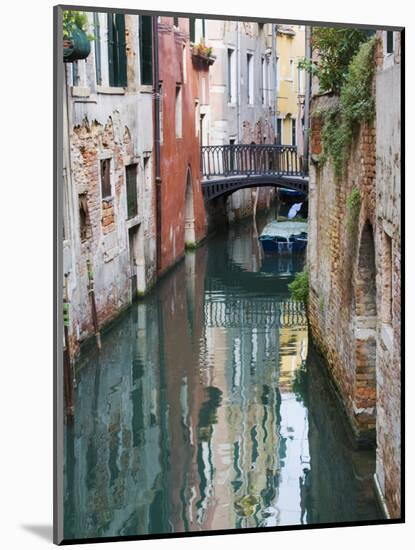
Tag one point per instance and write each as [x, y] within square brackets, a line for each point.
[121, 51]
[192, 30]
[111, 49]
[146, 49]
[97, 49]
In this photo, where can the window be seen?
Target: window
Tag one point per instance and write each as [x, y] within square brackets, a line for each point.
[231, 76]
[184, 63]
[197, 30]
[131, 180]
[250, 77]
[146, 49]
[279, 131]
[105, 178]
[232, 154]
[293, 131]
[197, 117]
[176, 21]
[192, 29]
[84, 221]
[178, 111]
[97, 45]
[117, 59]
[266, 80]
[389, 41]
[300, 81]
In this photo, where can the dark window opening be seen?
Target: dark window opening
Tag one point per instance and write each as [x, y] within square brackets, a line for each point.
[192, 29]
[230, 75]
[293, 132]
[106, 178]
[131, 178]
[279, 132]
[146, 49]
[389, 41]
[117, 58]
[176, 21]
[84, 221]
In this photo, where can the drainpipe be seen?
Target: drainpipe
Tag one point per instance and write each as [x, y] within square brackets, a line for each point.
[238, 80]
[274, 77]
[307, 98]
[156, 105]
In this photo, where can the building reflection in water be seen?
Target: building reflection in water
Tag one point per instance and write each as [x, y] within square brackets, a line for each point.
[204, 410]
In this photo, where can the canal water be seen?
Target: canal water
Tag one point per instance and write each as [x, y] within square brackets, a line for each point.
[207, 408]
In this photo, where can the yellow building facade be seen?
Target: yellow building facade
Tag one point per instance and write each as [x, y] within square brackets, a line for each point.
[290, 47]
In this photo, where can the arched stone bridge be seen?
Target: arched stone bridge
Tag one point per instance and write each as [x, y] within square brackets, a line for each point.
[227, 168]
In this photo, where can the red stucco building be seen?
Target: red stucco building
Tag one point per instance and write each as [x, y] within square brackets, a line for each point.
[183, 87]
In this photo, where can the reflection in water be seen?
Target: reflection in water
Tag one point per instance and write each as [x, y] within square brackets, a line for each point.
[207, 409]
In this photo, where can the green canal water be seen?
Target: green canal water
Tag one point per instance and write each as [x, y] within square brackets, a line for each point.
[207, 409]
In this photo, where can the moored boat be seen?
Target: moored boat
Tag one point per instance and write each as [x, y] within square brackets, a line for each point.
[284, 237]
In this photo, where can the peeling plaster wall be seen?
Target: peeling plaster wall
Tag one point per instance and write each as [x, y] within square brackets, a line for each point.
[99, 123]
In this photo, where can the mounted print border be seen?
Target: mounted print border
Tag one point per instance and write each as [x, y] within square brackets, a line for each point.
[228, 240]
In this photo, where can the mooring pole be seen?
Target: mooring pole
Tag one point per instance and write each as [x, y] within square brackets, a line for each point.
[91, 293]
[67, 379]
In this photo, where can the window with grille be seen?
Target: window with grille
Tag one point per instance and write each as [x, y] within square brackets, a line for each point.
[131, 179]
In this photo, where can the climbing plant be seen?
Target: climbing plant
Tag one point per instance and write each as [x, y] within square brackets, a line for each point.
[353, 209]
[299, 287]
[356, 106]
[335, 48]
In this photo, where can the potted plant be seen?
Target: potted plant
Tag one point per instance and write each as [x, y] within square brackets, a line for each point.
[203, 51]
[76, 41]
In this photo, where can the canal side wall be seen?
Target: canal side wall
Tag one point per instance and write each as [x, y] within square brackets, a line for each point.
[114, 124]
[354, 271]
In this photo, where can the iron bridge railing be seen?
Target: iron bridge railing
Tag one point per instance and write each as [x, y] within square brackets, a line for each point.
[242, 159]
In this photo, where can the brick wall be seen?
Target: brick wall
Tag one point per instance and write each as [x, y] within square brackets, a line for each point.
[354, 305]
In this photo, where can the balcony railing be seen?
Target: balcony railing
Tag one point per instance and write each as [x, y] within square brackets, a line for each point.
[241, 159]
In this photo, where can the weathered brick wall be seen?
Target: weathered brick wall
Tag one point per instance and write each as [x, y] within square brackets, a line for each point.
[335, 304]
[354, 269]
[114, 125]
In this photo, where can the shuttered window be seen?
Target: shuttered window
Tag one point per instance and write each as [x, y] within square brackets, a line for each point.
[131, 177]
[146, 49]
[117, 59]
[97, 36]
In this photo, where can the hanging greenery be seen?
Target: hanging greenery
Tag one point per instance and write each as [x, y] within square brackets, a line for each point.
[335, 48]
[356, 106]
[73, 20]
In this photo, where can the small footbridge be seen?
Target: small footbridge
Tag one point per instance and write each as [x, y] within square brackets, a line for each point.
[227, 168]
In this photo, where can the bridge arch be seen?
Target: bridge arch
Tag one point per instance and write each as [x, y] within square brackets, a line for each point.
[365, 321]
